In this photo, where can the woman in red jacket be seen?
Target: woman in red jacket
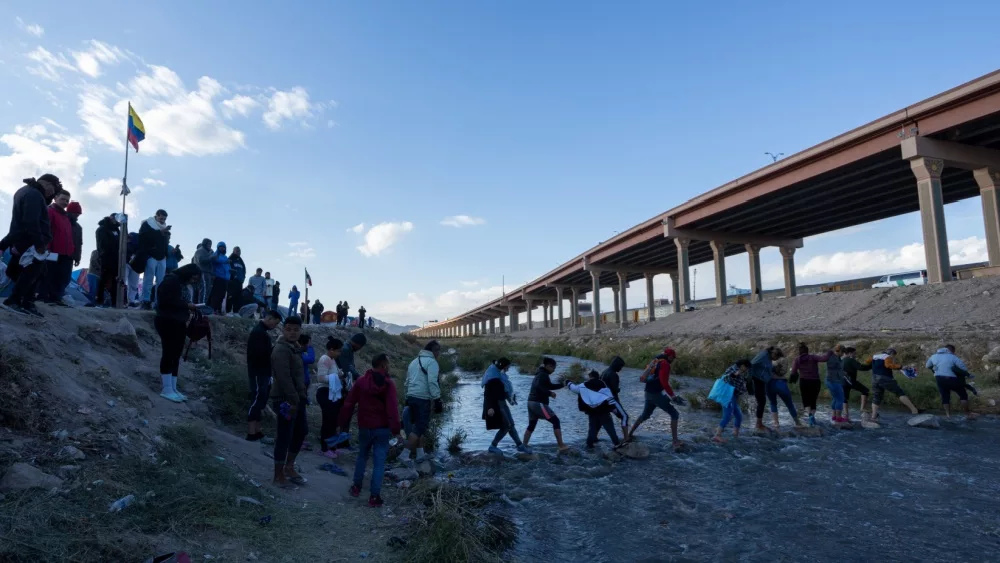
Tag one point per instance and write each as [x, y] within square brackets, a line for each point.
[378, 420]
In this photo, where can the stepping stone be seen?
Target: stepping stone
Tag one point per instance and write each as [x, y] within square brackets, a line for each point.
[869, 425]
[924, 421]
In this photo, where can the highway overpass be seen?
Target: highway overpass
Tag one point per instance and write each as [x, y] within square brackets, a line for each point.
[941, 150]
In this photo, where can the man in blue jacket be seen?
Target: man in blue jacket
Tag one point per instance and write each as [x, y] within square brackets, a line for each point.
[950, 374]
[220, 273]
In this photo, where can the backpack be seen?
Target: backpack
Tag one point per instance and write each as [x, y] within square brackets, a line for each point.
[651, 368]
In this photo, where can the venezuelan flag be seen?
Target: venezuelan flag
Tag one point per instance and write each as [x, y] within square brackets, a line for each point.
[136, 130]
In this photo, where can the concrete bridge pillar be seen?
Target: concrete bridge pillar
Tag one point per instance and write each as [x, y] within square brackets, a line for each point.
[683, 272]
[719, 257]
[788, 261]
[988, 180]
[595, 277]
[531, 305]
[513, 318]
[623, 305]
[616, 296]
[503, 324]
[650, 301]
[559, 307]
[675, 288]
[574, 310]
[493, 326]
[753, 252]
[552, 318]
[928, 173]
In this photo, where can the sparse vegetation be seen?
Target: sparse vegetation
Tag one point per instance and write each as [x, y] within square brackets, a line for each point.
[20, 408]
[456, 440]
[576, 373]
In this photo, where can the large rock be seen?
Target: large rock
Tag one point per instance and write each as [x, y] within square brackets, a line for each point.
[924, 421]
[869, 425]
[809, 431]
[402, 474]
[73, 453]
[843, 425]
[635, 450]
[22, 476]
[485, 459]
[522, 456]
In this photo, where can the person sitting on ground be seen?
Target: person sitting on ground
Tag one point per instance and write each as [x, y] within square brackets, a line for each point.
[882, 381]
[851, 382]
[597, 402]
[259, 347]
[949, 374]
[542, 389]
[736, 376]
[330, 396]
[659, 394]
[378, 421]
[778, 387]
[173, 311]
[497, 392]
[761, 372]
[423, 392]
[835, 377]
[611, 378]
[289, 403]
[806, 366]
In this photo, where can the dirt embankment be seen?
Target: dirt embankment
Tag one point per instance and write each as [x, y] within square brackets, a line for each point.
[82, 425]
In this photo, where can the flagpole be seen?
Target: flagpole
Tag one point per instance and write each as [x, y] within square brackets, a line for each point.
[122, 286]
[125, 178]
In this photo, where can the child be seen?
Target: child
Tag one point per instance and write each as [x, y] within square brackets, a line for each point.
[734, 376]
[378, 420]
[497, 392]
[330, 396]
[597, 402]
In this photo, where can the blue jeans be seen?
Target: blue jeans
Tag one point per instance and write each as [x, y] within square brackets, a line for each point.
[376, 440]
[732, 412]
[156, 268]
[837, 392]
[779, 388]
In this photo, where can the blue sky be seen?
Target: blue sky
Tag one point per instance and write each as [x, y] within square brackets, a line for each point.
[547, 126]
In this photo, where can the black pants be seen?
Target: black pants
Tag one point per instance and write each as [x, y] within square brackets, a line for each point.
[598, 421]
[810, 389]
[760, 394]
[26, 285]
[109, 279]
[219, 287]
[331, 414]
[172, 333]
[57, 275]
[856, 386]
[235, 291]
[260, 388]
[290, 434]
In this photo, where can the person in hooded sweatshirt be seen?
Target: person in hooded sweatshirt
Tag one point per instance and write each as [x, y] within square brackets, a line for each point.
[542, 389]
[220, 281]
[378, 420]
[203, 259]
[611, 378]
[152, 253]
[258, 283]
[497, 392]
[73, 211]
[58, 273]
[597, 402]
[293, 300]
[659, 394]
[29, 230]
[950, 374]
[107, 250]
[237, 275]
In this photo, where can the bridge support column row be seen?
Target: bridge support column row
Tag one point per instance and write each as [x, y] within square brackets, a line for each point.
[650, 301]
[595, 278]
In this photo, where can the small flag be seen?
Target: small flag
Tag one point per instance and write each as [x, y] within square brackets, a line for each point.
[125, 190]
[309, 280]
[136, 130]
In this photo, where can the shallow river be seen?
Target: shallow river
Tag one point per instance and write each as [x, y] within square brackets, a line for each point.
[893, 494]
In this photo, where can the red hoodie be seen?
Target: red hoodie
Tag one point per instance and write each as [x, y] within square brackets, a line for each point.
[62, 232]
[375, 395]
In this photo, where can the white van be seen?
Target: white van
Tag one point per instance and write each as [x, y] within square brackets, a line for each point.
[901, 279]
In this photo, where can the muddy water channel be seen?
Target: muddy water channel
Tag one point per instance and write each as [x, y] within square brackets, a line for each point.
[893, 494]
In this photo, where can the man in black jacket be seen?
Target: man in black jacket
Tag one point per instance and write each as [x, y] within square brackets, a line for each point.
[259, 371]
[237, 275]
[542, 389]
[107, 252]
[152, 252]
[29, 229]
[611, 379]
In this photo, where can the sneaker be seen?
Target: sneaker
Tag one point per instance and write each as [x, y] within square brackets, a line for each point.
[495, 450]
[375, 501]
[32, 310]
[812, 420]
[355, 490]
[173, 397]
[524, 449]
[14, 308]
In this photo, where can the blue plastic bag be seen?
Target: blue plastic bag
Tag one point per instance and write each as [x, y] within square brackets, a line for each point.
[722, 392]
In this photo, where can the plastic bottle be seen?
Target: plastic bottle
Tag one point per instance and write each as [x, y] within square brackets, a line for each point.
[121, 504]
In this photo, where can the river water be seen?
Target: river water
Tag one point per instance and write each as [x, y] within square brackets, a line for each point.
[892, 494]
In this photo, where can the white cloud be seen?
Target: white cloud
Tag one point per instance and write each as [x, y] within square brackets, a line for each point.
[155, 172]
[418, 307]
[239, 105]
[30, 28]
[53, 123]
[843, 265]
[330, 124]
[469, 283]
[298, 244]
[459, 221]
[284, 105]
[34, 150]
[302, 254]
[178, 122]
[108, 187]
[153, 182]
[357, 229]
[89, 61]
[382, 236]
[48, 65]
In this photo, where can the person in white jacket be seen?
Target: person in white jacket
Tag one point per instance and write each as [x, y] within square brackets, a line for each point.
[330, 397]
[598, 403]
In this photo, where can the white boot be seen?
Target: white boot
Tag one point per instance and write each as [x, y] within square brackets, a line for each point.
[173, 385]
[168, 392]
